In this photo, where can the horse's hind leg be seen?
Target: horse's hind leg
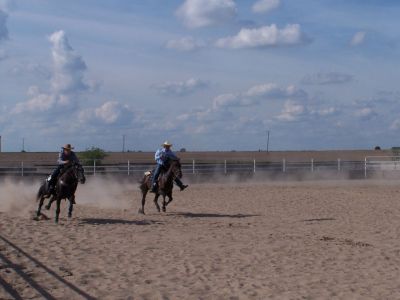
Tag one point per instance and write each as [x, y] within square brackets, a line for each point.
[156, 202]
[144, 193]
[58, 210]
[71, 206]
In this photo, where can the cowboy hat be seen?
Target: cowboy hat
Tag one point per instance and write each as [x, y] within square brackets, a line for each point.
[68, 147]
[167, 143]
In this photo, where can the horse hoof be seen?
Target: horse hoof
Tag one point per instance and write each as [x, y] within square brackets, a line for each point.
[47, 207]
[164, 209]
[141, 211]
[69, 216]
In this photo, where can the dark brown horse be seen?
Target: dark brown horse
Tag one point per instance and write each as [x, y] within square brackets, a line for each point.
[65, 188]
[165, 184]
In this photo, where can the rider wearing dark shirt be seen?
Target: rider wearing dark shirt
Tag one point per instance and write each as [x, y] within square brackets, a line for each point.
[65, 156]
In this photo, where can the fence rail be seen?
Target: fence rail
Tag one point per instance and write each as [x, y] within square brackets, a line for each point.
[370, 165]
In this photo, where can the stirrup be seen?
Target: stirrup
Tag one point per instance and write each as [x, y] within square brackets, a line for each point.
[154, 188]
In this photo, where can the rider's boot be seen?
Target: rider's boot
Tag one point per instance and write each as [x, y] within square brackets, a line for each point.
[180, 184]
[183, 186]
[51, 185]
[154, 188]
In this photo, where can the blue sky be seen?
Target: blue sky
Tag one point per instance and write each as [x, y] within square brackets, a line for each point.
[205, 74]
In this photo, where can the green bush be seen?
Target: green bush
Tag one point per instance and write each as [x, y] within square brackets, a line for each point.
[92, 154]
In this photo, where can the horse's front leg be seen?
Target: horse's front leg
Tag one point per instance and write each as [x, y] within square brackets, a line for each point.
[71, 205]
[58, 209]
[156, 202]
[51, 200]
[38, 212]
[164, 204]
[169, 199]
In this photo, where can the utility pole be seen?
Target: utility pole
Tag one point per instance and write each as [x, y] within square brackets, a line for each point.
[123, 142]
[267, 140]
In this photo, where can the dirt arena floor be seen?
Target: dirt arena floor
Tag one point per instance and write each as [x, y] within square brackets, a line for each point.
[238, 240]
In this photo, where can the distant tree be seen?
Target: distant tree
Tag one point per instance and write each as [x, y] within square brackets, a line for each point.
[92, 154]
[378, 148]
[183, 150]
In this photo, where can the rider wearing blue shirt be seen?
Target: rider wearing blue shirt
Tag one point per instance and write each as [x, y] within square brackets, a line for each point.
[161, 156]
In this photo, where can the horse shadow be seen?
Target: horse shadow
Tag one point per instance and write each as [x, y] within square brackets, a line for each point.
[211, 215]
[104, 221]
[319, 220]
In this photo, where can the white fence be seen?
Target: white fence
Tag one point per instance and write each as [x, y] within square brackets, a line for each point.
[226, 167]
[380, 164]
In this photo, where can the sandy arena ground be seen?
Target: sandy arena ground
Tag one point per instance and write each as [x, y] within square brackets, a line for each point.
[309, 240]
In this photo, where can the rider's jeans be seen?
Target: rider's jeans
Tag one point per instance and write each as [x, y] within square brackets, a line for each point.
[156, 173]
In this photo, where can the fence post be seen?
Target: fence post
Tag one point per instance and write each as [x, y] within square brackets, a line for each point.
[312, 164]
[338, 164]
[22, 168]
[225, 166]
[365, 167]
[193, 168]
[284, 165]
[254, 166]
[128, 167]
[94, 167]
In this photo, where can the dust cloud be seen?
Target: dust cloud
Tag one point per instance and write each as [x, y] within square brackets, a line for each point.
[18, 197]
[107, 192]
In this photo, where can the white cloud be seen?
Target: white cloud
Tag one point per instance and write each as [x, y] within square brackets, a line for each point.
[327, 111]
[272, 90]
[68, 66]
[291, 111]
[200, 13]
[184, 44]
[3, 26]
[110, 112]
[358, 38]
[227, 100]
[181, 88]
[365, 113]
[7, 5]
[39, 101]
[257, 93]
[67, 79]
[265, 36]
[327, 78]
[34, 69]
[263, 6]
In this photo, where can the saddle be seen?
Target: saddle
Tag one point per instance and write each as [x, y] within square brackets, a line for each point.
[164, 169]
